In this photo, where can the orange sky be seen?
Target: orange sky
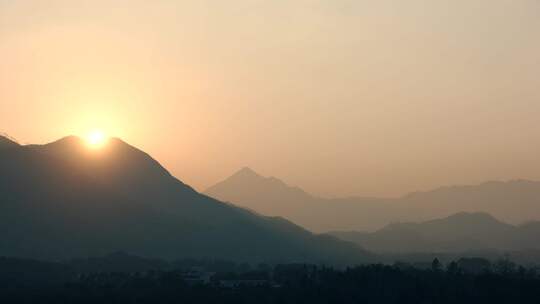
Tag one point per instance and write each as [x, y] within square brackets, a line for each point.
[340, 97]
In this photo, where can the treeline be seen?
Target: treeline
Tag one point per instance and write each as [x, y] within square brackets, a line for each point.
[462, 281]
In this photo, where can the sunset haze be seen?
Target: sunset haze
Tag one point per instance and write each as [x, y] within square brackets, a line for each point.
[338, 97]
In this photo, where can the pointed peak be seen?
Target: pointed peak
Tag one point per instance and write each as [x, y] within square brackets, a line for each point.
[247, 172]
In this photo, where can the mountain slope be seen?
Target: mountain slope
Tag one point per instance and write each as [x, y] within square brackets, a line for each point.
[271, 196]
[70, 201]
[266, 195]
[6, 143]
[457, 233]
[513, 201]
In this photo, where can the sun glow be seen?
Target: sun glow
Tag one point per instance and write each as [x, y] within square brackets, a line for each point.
[96, 139]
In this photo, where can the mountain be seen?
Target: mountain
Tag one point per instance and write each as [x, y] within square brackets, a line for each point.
[63, 200]
[6, 143]
[513, 201]
[266, 195]
[271, 196]
[461, 232]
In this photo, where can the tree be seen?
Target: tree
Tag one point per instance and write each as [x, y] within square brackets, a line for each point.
[436, 265]
[452, 268]
[505, 266]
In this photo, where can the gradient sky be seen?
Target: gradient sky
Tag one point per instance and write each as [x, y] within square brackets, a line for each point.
[340, 97]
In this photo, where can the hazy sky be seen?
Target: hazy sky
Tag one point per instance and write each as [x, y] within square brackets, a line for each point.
[340, 97]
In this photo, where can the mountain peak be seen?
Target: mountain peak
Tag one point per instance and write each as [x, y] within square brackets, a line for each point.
[116, 161]
[472, 216]
[460, 219]
[265, 195]
[247, 178]
[246, 172]
[73, 145]
[121, 199]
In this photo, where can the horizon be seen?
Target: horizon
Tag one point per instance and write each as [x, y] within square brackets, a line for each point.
[342, 97]
[85, 139]
[276, 151]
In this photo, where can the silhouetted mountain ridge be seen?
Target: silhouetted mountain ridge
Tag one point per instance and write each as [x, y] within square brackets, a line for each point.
[72, 201]
[512, 201]
[120, 165]
[460, 232]
[7, 143]
[265, 194]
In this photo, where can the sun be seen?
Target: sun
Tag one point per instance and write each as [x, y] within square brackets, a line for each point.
[96, 139]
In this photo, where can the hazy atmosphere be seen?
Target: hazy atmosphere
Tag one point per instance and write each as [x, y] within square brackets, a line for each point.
[340, 97]
[276, 151]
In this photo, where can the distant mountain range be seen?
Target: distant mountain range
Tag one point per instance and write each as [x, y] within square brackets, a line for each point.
[462, 232]
[513, 201]
[62, 200]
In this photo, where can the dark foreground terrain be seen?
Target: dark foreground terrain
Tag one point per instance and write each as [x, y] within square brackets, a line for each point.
[94, 281]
